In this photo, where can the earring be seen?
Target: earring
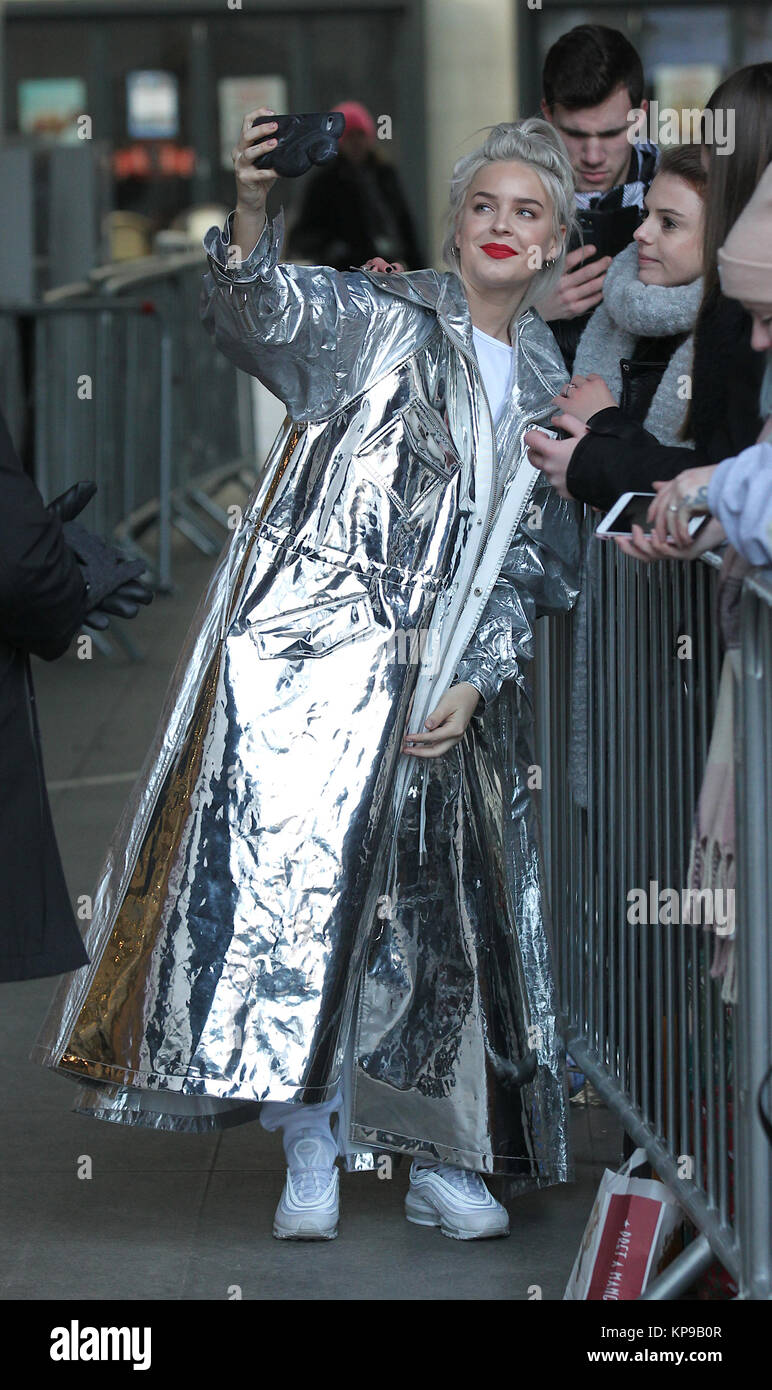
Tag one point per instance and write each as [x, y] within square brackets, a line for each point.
[549, 263]
[456, 253]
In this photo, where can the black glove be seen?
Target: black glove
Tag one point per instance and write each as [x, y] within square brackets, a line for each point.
[123, 604]
[112, 580]
[122, 601]
[70, 504]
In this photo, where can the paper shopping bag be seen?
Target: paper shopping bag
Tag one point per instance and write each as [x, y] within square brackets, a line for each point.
[624, 1240]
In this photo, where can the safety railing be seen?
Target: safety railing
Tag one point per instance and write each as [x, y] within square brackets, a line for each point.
[213, 437]
[128, 389]
[643, 1016]
[86, 379]
[84, 356]
[753, 782]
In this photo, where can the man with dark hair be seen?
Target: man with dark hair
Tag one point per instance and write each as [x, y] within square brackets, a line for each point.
[592, 81]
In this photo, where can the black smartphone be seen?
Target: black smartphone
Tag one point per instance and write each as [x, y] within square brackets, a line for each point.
[608, 232]
[302, 141]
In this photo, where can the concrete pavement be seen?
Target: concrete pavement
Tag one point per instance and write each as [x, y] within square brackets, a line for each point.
[168, 1216]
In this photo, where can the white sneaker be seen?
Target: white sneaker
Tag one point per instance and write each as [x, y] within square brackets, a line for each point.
[456, 1200]
[308, 1207]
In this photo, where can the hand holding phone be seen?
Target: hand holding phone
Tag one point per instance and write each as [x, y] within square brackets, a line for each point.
[552, 456]
[257, 139]
[302, 141]
[580, 287]
[631, 509]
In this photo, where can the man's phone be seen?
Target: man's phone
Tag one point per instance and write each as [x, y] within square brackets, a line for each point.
[302, 141]
[608, 232]
[630, 510]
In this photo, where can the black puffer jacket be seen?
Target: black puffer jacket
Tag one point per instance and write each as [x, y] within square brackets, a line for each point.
[42, 604]
[619, 455]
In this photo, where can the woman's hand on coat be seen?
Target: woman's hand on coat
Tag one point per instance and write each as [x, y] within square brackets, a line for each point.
[645, 546]
[553, 456]
[677, 501]
[446, 725]
[584, 396]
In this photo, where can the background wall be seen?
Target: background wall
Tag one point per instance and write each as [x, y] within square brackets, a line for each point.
[442, 69]
[363, 49]
[471, 82]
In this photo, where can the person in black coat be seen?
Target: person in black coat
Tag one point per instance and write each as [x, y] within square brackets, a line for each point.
[354, 208]
[47, 589]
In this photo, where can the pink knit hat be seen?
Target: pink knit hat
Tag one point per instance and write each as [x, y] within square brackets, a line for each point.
[745, 260]
[357, 118]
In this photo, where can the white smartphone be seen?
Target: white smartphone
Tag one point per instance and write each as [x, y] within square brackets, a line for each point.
[544, 429]
[630, 510]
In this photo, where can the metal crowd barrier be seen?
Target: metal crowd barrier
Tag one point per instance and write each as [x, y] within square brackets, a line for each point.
[84, 354]
[87, 356]
[212, 425]
[754, 1052]
[128, 389]
[642, 1015]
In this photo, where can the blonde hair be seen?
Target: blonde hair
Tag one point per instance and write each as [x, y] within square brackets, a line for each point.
[536, 143]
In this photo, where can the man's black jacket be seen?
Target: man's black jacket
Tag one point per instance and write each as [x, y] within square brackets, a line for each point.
[42, 603]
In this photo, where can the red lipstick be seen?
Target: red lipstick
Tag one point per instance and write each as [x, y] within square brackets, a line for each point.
[497, 250]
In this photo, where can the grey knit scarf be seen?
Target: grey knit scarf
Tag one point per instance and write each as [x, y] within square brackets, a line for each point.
[632, 310]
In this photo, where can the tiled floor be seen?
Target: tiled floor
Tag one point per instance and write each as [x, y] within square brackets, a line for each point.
[189, 1217]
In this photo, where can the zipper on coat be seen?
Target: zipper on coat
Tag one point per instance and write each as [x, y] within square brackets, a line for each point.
[495, 497]
[404, 775]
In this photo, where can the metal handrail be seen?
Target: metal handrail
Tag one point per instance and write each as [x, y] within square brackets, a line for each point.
[642, 1016]
[113, 279]
[53, 466]
[759, 582]
[177, 391]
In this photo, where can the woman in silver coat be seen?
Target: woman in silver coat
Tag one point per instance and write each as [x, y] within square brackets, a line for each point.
[324, 903]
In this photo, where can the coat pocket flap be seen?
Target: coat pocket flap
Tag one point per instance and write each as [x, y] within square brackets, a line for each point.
[312, 631]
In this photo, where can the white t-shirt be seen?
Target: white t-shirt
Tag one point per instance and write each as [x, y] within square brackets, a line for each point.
[497, 362]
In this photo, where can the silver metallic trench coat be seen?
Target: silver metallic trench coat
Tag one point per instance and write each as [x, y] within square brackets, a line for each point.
[287, 894]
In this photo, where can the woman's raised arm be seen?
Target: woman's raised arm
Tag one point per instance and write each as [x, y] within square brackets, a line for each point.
[307, 332]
